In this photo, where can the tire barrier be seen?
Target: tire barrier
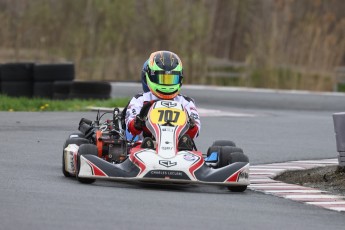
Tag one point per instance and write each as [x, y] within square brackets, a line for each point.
[90, 90]
[46, 74]
[54, 72]
[43, 89]
[52, 81]
[17, 79]
[62, 89]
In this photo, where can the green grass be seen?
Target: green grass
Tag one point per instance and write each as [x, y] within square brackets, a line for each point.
[12, 104]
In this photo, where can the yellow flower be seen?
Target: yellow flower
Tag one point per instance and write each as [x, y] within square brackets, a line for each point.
[42, 107]
[10, 110]
[46, 105]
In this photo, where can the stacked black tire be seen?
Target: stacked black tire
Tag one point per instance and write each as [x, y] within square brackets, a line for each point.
[53, 81]
[17, 79]
[90, 90]
[46, 76]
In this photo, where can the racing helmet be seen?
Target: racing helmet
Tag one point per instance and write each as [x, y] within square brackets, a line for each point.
[164, 74]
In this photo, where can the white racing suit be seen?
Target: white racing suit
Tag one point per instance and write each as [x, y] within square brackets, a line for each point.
[137, 103]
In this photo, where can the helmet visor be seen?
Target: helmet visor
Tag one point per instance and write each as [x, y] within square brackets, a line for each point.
[166, 79]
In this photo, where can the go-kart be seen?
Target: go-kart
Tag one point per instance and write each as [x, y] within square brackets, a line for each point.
[103, 150]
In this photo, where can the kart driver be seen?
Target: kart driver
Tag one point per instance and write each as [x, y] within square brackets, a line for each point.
[163, 75]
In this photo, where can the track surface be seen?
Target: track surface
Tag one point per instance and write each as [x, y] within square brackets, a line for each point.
[35, 195]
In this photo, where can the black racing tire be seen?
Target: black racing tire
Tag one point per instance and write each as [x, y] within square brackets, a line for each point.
[229, 155]
[78, 141]
[85, 149]
[17, 72]
[90, 90]
[223, 150]
[240, 188]
[224, 154]
[17, 88]
[224, 143]
[238, 157]
[61, 89]
[54, 72]
[43, 89]
[212, 149]
[76, 135]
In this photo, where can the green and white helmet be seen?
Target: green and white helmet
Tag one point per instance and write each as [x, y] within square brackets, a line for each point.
[164, 74]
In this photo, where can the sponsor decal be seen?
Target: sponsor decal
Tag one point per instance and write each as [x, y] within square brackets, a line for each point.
[167, 164]
[167, 148]
[167, 130]
[243, 175]
[166, 173]
[169, 104]
[189, 157]
[134, 112]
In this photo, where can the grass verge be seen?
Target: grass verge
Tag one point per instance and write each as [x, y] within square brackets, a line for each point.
[12, 104]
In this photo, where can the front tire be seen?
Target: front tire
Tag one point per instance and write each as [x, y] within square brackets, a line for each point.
[85, 149]
[232, 155]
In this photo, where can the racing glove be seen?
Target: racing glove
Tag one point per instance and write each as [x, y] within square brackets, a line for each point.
[193, 128]
[139, 123]
[191, 122]
[135, 127]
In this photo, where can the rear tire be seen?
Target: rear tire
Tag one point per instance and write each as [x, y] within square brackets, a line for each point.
[85, 149]
[238, 188]
[77, 141]
[227, 154]
[76, 135]
[224, 143]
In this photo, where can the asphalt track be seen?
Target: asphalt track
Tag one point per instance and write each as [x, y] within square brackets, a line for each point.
[35, 195]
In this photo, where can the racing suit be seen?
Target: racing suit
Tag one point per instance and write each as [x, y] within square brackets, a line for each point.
[138, 101]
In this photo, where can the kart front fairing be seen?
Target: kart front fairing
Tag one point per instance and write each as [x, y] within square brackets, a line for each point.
[168, 121]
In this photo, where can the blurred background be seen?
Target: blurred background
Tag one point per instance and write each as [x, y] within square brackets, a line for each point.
[280, 44]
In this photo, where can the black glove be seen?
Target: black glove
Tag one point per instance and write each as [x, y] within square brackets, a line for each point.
[139, 123]
[146, 107]
[191, 122]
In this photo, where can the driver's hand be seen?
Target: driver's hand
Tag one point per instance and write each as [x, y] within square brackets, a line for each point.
[139, 123]
[191, 122]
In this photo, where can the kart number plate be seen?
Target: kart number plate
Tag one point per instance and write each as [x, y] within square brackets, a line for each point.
[163, 115]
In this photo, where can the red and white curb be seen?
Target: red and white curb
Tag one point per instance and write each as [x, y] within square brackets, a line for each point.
[261, 181]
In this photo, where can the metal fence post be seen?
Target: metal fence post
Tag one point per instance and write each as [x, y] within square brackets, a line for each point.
[339, 128]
